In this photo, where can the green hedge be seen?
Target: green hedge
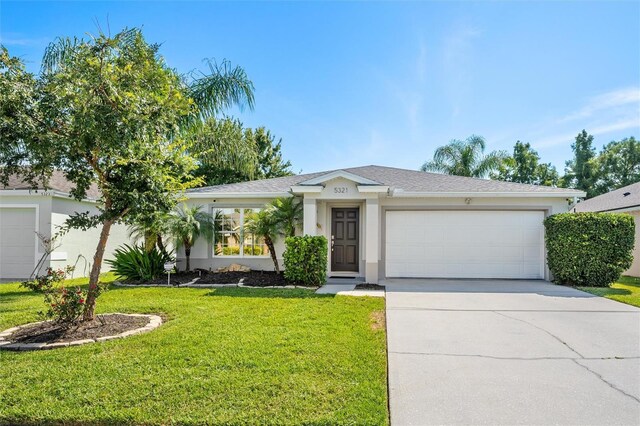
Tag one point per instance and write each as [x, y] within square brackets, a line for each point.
[589, 249]
[305, 260]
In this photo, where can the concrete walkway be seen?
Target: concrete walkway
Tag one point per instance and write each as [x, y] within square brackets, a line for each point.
[348, 290]
[510, 352]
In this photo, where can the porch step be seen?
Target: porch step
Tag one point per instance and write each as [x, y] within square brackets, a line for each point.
[345, 281]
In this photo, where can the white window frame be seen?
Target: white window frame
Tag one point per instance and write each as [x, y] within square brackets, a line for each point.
[242, 211]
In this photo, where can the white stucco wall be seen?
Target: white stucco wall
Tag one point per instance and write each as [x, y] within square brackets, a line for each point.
[634, 271]
[77, 246]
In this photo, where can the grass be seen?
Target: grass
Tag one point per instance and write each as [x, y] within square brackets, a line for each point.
[226, 356]
[625, 290]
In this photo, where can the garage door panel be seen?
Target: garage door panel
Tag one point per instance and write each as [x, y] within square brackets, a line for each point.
[464, 244]
[531, 253]
[17, 242]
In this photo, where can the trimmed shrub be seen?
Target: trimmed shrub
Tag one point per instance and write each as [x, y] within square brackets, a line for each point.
[305, 260]
[589, 249]
[137, 264]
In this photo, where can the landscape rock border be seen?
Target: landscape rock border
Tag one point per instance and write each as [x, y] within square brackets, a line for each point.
[5, 344]
[194, 284]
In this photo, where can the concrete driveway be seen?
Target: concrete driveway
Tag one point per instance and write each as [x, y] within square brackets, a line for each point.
[510, 352]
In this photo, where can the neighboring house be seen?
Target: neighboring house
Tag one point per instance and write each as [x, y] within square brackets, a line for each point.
[384, 222]
[622, 200]
[25, 212]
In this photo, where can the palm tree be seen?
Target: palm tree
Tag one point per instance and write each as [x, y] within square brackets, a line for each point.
[188, 224]
[151, 231]
[287, 212]
[465, 158]
[264, 224]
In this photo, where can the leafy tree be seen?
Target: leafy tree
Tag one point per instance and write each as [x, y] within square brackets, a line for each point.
[108, 111]
[270, 162]
[227, 153]
[19, 116]
[465, 158]
[187, 225]
[287, 212]
[524, 167]
[264, 224]
[618, 165]
[581, 172]
[547, 175]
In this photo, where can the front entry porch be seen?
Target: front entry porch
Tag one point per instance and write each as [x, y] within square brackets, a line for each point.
[352, 231]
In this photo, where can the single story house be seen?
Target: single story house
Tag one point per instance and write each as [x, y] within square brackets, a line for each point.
[384, 222]
[622, 200]
[27, 213]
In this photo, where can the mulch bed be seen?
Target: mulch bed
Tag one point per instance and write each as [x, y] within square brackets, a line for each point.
[176, 278]
[369, 287]
[102, 326]
[252, 278]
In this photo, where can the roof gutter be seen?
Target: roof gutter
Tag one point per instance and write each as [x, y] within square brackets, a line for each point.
[43, 193]
[199, 195]
[567, 194]
[634, 207]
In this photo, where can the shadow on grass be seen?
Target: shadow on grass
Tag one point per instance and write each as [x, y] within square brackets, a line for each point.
[13, 295]
[630, 281]
[53, 421]
[605, 291]
[268, 293]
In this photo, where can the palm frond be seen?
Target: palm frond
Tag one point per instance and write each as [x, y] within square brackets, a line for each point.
[128, 37]
[464, 158]
[59, 52]
[223, 87]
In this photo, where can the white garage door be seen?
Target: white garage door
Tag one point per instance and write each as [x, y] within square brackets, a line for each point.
[17, 242]
[465, 244]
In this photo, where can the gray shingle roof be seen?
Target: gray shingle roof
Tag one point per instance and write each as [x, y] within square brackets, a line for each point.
[397, 179]
[614, 200]
[57, 182]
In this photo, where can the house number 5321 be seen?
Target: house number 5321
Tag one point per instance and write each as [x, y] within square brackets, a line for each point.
[340, 190]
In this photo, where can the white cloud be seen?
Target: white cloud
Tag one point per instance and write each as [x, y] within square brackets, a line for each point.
[12, 39]
[606, 101]
[603, 129]
[457, 62]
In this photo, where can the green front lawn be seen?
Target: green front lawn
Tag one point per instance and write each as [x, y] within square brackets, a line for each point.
[224, 356]
[626, 290]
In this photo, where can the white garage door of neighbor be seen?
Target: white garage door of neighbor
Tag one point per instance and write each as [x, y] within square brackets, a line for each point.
[464, 244]
[17, 242]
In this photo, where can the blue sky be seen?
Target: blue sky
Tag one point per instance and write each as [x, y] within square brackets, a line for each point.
[347, 84]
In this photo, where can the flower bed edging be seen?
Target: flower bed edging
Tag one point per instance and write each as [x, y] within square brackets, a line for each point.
[5, 344]
[194, 284]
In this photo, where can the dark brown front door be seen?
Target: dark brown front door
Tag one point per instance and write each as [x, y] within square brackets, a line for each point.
[344, 240]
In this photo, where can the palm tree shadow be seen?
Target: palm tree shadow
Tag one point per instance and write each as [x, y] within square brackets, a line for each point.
[267, 293]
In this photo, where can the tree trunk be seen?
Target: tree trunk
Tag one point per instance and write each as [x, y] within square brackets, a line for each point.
[269, 242]
[187, 254]
[160, 244]
[92, 294]
[149, 242]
